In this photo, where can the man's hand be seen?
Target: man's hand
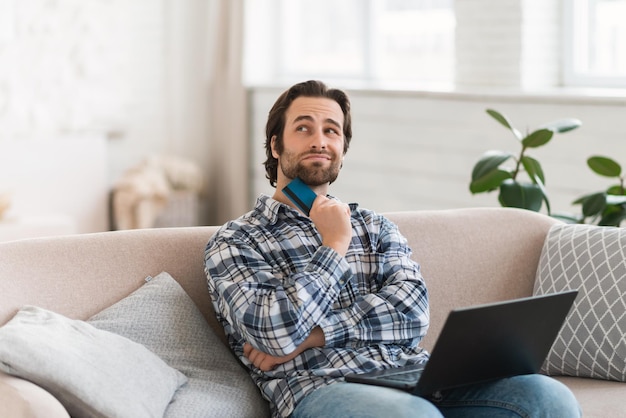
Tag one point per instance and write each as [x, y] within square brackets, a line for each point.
[332, 220]
[266, 362]
[262, 360]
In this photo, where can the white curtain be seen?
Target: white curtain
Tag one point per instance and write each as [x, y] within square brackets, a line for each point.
[228, 191]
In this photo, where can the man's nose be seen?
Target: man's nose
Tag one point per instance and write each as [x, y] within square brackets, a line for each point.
[318, 141]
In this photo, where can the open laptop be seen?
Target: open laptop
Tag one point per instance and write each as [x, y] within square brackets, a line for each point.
[483, 343]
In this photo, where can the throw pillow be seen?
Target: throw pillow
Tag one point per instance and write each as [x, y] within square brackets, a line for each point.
[91, 372]
[161, 316]
[592, 342]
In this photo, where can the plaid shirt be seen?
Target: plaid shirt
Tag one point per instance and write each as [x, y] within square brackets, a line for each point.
[272, 282]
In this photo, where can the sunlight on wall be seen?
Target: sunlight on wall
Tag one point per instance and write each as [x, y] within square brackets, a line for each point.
[56, 67]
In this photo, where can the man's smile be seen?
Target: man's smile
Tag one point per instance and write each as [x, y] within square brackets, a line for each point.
[317, 157]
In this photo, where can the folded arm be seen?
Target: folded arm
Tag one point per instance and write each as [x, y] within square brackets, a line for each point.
[269, 306]
[397, 313]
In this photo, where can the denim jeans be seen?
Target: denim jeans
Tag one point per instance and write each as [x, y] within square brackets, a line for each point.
[520, 396]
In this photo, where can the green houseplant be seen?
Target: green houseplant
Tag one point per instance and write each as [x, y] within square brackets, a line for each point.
[491, 172]
[607, 207]
[522, 184]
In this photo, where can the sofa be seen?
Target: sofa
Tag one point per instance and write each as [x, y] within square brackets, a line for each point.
[467, 256]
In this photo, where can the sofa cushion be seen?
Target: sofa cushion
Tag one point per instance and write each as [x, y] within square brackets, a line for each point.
[161, 316]
[90, 371]
[592, 342]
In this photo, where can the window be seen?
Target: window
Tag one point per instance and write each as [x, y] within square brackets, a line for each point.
[410, 44]
[595, 43]
[372, 42]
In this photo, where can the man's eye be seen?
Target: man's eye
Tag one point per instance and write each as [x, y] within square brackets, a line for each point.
[302, 129]
[332, 131]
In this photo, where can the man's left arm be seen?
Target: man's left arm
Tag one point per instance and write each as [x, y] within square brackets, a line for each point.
[267, 362]
[396, 314]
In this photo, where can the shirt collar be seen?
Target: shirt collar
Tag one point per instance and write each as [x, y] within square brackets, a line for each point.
[269, 208]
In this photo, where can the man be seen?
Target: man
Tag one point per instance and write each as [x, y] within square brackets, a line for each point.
[306, 300]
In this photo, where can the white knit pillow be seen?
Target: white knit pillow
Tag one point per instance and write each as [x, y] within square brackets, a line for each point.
[93, 373]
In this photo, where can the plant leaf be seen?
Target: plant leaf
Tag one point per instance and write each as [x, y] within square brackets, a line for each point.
[604, 166]
[489, 162]
[520, 195]
[581, 199]
[539, 182]
[615, 199]
[537, 138]
[593, 204]
[613, 217]
[533, 168]
[563, 125]
[505, 122]
[535, 172]
[489, 181]
[567, 218]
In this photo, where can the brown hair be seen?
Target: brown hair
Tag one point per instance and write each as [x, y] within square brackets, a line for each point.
[276, 119]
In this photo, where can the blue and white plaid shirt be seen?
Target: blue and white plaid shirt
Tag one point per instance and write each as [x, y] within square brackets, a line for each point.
[272, 282]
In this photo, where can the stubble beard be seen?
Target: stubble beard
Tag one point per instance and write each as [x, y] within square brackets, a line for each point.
[314, 175]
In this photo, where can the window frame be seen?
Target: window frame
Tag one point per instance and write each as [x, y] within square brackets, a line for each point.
[573, 38]
[275, 70]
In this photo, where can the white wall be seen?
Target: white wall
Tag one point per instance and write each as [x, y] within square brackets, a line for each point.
[417, 150]
[55, 181]
[508, 43]
[131, 71]
[135, 72]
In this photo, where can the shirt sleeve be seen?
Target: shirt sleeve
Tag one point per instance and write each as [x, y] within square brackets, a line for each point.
[274, 314]
[397, 313]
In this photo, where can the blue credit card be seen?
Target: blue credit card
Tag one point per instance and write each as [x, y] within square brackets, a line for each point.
[300, 194]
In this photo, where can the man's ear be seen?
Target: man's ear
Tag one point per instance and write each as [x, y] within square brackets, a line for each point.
[273, 146]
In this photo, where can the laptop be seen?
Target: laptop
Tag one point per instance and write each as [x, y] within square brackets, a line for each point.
[483, 343]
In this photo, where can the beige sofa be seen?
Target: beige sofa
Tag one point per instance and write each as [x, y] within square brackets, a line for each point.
[468, 256]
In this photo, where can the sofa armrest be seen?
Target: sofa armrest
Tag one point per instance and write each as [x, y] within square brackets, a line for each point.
[20, 398]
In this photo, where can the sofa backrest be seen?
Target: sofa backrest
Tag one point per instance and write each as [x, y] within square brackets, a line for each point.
[473, 255]
[79, 275]
[467, 256]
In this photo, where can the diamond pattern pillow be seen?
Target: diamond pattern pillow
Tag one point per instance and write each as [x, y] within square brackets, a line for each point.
[592, 342]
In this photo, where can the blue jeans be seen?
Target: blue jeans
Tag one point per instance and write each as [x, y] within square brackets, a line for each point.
[520, 396]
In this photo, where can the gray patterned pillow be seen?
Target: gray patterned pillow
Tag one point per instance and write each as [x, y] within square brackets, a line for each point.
[161, 316]
[592, 342]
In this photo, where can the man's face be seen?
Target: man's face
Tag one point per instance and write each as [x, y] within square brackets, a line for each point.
[312, 141]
